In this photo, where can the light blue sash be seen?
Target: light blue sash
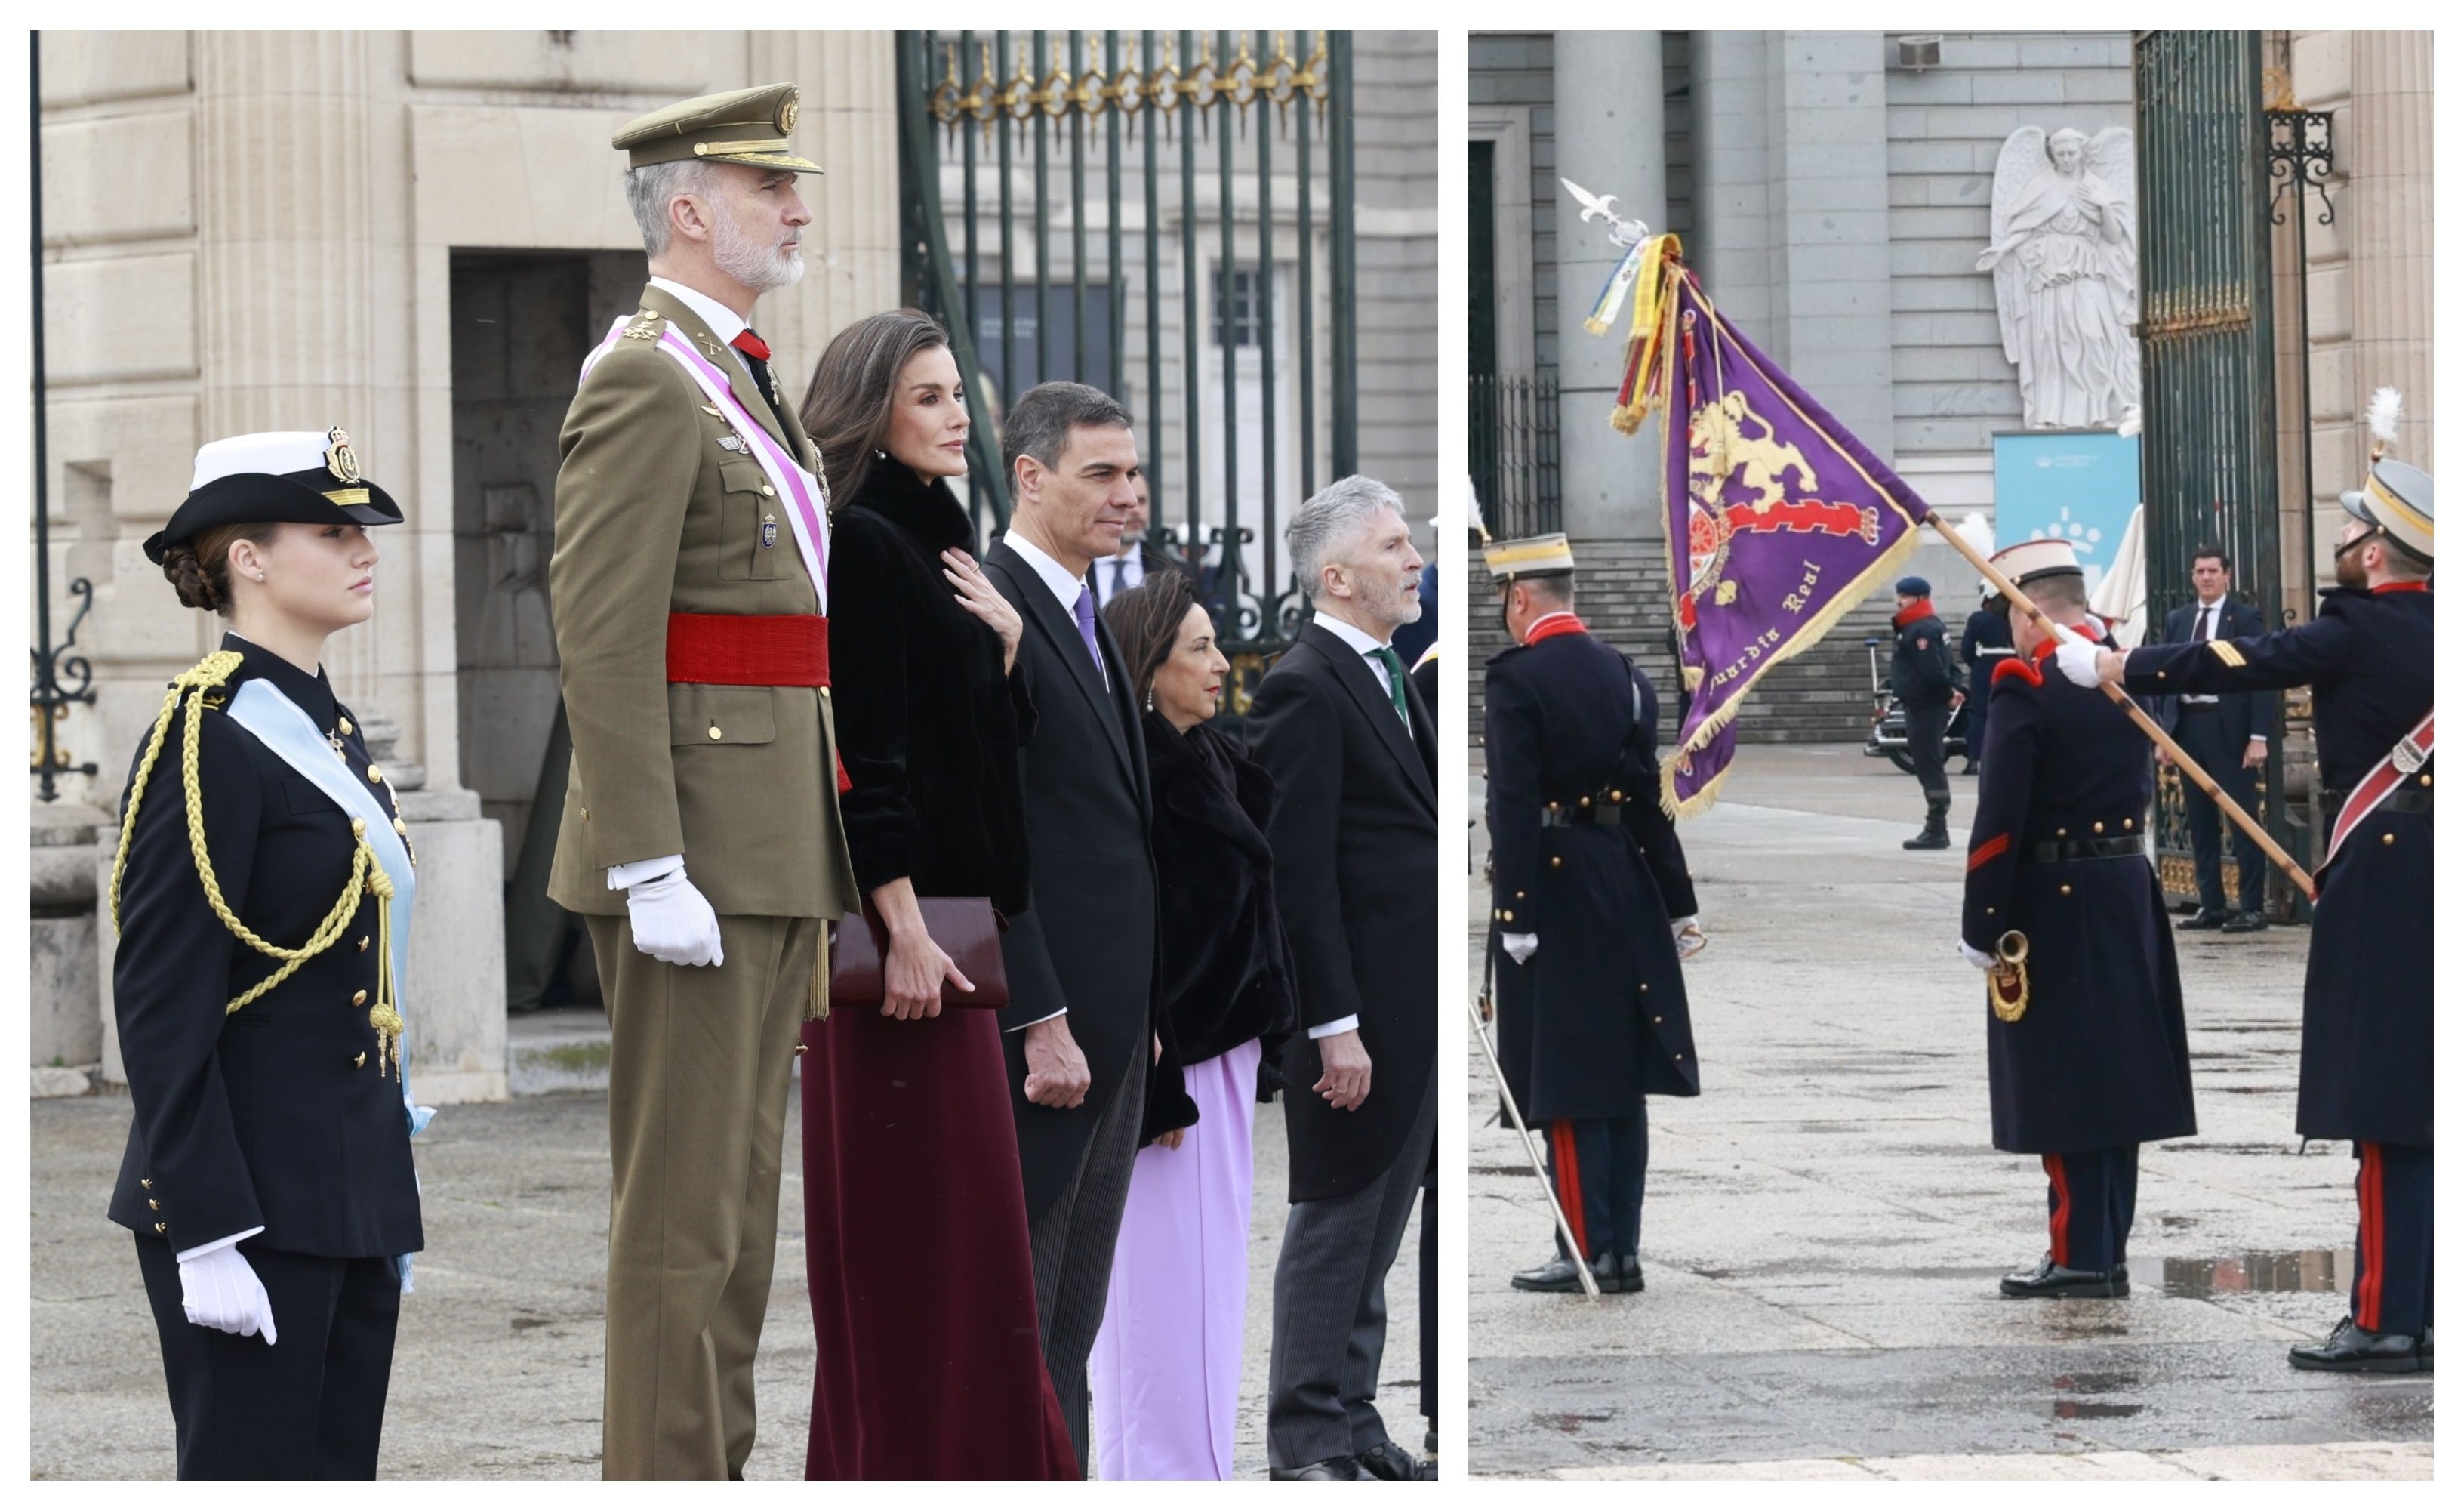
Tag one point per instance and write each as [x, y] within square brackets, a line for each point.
[262, 709]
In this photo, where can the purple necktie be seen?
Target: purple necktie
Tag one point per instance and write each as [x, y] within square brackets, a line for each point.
[1086, 610]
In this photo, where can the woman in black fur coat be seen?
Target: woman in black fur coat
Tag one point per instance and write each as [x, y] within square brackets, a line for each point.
[923, 1290]
[1166, 1371]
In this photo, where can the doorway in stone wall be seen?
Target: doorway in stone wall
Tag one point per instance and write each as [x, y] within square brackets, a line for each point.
[521, 323]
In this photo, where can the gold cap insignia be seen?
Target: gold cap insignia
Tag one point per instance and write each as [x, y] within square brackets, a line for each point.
[340, 459]
[787, 114]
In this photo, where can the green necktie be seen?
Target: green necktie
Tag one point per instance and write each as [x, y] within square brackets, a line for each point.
[1393, 665]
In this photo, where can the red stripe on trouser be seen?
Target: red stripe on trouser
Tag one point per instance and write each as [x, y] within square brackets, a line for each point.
[1570, 1183]
[2371, 1189]
[2060, 1222]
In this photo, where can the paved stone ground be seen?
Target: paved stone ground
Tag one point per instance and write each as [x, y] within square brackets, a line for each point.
[496, 1373]
[1824, 1226]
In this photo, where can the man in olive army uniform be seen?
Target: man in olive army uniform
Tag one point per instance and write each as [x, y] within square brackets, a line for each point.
[1593, 911]
[2366, 1006]
[691, 594]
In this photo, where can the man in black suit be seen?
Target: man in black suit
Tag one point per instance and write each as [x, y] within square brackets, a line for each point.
[1081, 1029]
[1353, 749]
[2226, 733]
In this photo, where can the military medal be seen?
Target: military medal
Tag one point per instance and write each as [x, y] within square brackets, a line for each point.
[769, 531]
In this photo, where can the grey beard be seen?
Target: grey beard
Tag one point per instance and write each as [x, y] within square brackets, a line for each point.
[757, 268]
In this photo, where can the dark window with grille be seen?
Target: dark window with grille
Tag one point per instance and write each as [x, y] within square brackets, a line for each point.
[1236, 311]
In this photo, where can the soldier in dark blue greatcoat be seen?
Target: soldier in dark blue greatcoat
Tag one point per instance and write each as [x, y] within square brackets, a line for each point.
[2365, 1006]
[1593, 911]
[2084, 1041]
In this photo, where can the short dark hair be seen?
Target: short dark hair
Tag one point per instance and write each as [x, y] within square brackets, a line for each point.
[1557, 587]
[1039, 422]
[2210, 551]
[1146, 620]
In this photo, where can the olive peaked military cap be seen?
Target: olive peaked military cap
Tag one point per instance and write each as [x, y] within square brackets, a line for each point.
[274, 478]
[751, 127]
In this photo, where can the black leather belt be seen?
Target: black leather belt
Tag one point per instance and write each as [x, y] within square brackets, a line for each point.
[2405, 799]
[2048, 852]
[1568, 817]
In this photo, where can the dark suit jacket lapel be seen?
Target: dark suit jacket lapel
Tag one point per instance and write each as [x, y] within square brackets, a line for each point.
[739, 378]
[1060, 633]
[1370, 691]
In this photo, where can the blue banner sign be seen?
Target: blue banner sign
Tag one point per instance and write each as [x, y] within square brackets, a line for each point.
[2080, 485]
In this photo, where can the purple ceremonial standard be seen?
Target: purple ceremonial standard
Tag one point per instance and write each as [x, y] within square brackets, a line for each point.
[1778, 520]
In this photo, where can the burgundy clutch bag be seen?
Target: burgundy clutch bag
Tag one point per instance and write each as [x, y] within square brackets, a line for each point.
[968, 930]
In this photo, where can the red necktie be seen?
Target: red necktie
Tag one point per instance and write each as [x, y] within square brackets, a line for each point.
[751, 345]
[757, 356]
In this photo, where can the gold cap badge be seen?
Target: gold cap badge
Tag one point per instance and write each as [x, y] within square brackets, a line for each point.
[340, 459]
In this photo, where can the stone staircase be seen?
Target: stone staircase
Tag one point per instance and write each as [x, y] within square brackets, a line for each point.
[1822, 695]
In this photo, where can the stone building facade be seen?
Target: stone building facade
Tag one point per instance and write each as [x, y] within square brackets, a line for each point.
[417, 235]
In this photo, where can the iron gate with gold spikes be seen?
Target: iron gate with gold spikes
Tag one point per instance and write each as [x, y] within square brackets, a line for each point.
[2208, 456]
[1167, 216]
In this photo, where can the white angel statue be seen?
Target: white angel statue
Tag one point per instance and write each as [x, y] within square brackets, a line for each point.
[2065, 266]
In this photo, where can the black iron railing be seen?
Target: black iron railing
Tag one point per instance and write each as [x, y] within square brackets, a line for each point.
[1514, 453]
[2207, 459]
[61, 678]
[1039, 280]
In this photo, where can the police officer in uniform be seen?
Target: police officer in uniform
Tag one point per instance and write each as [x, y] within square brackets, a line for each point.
[1923, 679]
[700, 838]
[262, 892]
[2366, 1006]
[2084, 1041]
[1593, 910]
[1985, 645]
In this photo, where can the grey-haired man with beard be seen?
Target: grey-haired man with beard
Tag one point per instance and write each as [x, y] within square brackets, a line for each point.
[690, 602]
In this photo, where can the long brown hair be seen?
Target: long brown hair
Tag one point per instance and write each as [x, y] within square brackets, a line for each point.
[200, 569]
[1146, 620]
[855, 388]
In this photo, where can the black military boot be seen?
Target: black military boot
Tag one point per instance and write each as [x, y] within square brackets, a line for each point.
[2354, 1349]
[1936, 835]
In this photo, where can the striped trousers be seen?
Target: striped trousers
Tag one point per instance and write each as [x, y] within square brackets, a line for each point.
[2391, 1243]
[1597, 1167]
[2090, 1197]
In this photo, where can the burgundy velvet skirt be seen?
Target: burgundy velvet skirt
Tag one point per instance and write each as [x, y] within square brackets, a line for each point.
[927, 1364]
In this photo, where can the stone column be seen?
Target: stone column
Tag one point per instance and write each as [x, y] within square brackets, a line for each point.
[2391, 145]
[1732, 201]
[1610, 140]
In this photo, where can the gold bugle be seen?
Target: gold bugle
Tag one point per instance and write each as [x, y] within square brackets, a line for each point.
[2012, 949]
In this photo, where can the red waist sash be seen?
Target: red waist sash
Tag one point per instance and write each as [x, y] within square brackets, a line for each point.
[745, 649]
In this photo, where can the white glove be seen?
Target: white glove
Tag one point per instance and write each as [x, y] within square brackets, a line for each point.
[1976, 957]
[2077, 658]
[672, 921]
[220, 1291]
[1690, 939]
[1520, 946]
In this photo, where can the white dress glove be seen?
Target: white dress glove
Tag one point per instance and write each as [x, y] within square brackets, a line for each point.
[1976, 957]
[1520, 948]
[672, 921]
[1690, 937]
[2078, 661]
[220, 1291]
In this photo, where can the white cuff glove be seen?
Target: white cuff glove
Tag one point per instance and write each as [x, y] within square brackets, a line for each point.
[220, 1291]
[2078, 661]
[1976, 957]
[672, 921]
[1520, 948]
[1690, 939]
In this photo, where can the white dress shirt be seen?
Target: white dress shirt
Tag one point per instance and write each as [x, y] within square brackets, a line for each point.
[1116, 575]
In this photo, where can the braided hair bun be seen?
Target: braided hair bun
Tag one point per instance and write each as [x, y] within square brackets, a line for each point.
[199, 570]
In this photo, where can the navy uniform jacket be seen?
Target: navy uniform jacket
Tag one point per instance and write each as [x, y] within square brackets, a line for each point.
[2240, 714]
[2099, 1057]
[1921, 674]
[1597, 1018]
[1984, 645]
[2366, 1008]
[278, 1114]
